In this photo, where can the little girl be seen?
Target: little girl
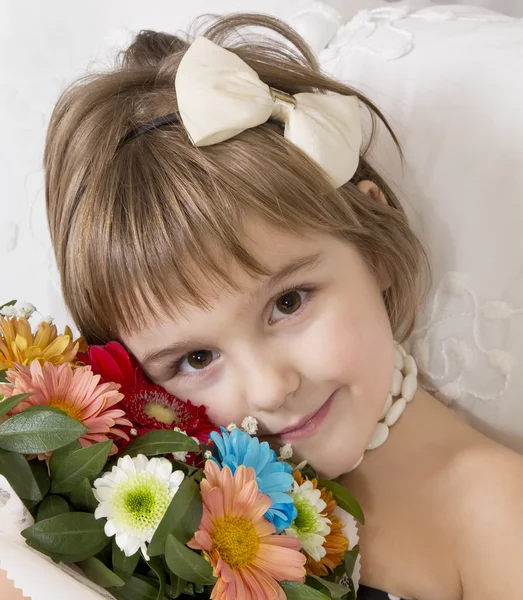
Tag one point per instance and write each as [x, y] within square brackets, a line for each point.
[212, 207]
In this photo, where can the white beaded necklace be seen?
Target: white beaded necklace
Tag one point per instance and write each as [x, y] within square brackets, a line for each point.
[403, 390]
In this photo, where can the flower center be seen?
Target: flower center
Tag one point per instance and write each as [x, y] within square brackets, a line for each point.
[141, 501]
[307, 519]
[161, 413]
[236, 540]
[62, 404]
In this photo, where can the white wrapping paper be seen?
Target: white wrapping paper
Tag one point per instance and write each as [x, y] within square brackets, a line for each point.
[36, 575]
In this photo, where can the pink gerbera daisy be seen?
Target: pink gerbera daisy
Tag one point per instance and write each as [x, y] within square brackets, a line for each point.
[239, 542]
[75, 391]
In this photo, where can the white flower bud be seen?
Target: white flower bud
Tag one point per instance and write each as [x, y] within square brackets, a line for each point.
[181, 456]
[286, 452]
[207, 454]
[25, 309]
[133, 432]
[250, 425]
[9, 311]
[231, 427]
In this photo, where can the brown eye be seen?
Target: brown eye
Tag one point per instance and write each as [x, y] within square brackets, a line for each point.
[199, 359]
[289, 302]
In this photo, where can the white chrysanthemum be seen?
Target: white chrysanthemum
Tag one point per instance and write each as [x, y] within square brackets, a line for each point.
[310, 526]
[250, 425]
[134, 496]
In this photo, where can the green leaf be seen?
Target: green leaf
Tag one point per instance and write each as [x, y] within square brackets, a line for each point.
[157, 566]
[82, 497]
[350, 560]
[344, 499]
[52, 506]
[182, 517]
[136, 589]
[17, 470]
[161, 441]
[186, 564]
[177, 585]
[61, 453]
[41, 475]
[124, 566]
[299, 591]
[336, 591]
[75, 534]
[3, 377]
[97, 572]
[7, 404]
[39, 429]
[10, 303]
[85, 463]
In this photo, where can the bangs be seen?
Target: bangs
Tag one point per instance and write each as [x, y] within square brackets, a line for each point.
[171, 220]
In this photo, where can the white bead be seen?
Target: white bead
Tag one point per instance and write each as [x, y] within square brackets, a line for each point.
[381, 433]
[409, 387]
[357, 464]
[395, 412]
[401, 350]
[397, 382]
[410, 366]
[398, 359]
[386, 408]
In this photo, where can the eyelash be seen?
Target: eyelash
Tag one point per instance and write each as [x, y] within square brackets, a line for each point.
[310, 289]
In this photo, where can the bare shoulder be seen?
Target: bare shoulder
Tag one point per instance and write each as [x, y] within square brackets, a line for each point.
[487, 482]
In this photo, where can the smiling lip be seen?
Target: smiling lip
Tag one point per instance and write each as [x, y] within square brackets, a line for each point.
[306, 426]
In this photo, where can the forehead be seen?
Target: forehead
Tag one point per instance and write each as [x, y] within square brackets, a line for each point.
[273, 246]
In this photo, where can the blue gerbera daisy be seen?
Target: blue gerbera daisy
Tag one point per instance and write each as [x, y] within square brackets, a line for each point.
[274, 477]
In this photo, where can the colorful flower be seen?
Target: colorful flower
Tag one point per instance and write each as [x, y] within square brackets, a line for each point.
[274, 477]
[19, 345]
[75, 391]
[133, 497]
[311, 526]
[147, 405]
[335, 542]
[239, 542]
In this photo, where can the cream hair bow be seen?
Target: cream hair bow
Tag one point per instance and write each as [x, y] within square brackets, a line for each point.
[219, 96]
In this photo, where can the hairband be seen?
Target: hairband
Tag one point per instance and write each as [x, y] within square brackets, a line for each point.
[219, 96]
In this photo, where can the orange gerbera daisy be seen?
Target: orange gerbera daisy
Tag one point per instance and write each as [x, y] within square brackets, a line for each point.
[75, 391]
[239, 542]
[19, 345]
[335, 542]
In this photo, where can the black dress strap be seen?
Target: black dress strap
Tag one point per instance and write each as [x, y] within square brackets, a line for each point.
[366, 593]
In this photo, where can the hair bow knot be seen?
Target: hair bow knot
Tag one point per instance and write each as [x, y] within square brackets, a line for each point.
[219, 96]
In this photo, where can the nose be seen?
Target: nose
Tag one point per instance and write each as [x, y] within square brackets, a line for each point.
[269, 376]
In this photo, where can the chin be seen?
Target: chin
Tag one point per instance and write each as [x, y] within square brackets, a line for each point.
[329, 465]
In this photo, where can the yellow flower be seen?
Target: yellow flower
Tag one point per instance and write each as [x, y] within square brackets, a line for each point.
[19, 345]
[335, 542]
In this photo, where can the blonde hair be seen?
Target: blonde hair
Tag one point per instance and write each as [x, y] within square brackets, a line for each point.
[139, 227]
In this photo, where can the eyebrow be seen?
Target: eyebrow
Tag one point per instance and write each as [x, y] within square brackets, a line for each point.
[154, 356]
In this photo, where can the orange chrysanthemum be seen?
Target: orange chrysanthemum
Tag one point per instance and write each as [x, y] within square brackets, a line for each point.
[19, 345]
[335, 542]
[239, 542]
[75, 391]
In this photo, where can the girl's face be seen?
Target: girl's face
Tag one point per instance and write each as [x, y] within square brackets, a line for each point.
[307, 351]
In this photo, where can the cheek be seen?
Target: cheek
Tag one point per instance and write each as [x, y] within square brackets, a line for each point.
[218, 401]
[354, 347]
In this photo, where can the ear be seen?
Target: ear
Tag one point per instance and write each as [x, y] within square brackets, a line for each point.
[372, 190]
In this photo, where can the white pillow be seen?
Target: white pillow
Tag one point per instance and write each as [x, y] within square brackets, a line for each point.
[450, 80]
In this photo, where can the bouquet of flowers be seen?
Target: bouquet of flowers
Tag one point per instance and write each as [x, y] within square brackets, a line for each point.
[144, 495]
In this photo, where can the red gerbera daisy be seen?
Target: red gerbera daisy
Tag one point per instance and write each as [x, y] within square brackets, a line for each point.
[147, 405]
